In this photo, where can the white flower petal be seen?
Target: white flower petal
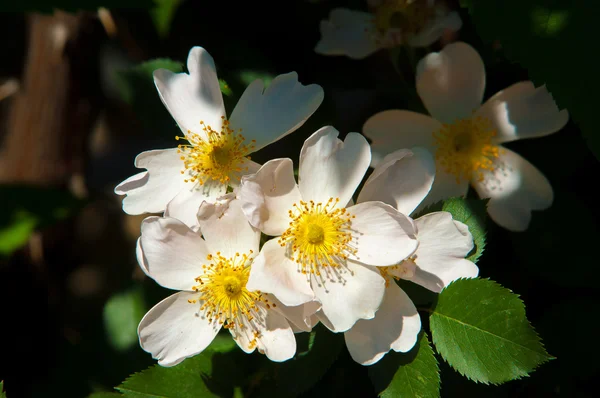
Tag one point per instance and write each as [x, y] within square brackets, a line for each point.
[283, 107]
[432, 32]
[444, 186]
[301, 316]
[396, 326]
[516, 188]
[150, 191]
[174, 253]
[273, 272]
[355, 294]
[226, 229]
[398, 129]
[141, 258]
[381, 235]
[249, 167]
[523, 111]
[277, 339]
[185, 205]
[268, 195]
[195, 97]
[173, 330]
[330, 168]
[451, 82]
[348, 32]
[443, 245]
[402, 180]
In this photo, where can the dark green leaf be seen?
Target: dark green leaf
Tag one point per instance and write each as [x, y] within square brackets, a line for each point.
[162, 15]
[28, 208]
[480, 329]
[413, 374]
[548, 37]
[122, 314]
[2, 394]
[471, 212]
[105, 394]
[293, 377]
[45, 6]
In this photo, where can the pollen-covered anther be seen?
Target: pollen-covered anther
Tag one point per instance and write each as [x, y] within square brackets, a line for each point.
[223, 294]
[218, 156]
[319, 235]
[465, 148]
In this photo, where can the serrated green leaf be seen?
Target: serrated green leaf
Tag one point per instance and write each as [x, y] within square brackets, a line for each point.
[48, 7]
[473, 213]
[2, 394]
[122, 314]
[293, 377]
[26, 208]
[480, 329]
[162, 15]
[215, 372]
[413, 374]
[548, 37]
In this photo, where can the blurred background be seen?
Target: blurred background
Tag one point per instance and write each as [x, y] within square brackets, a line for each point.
[77, 105]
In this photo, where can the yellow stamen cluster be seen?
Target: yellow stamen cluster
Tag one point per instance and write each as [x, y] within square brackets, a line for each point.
[465, 148]
[217, 156]
[398, 271]
[319, 235]
[224, 297]
[397, 19]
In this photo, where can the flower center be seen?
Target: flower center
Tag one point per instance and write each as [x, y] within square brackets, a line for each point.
[218, 156]
[223, 293]
[319, 235]
[465, 148]
[397, 19]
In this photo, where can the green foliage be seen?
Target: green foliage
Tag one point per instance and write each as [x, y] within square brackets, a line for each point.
[225, 89]
[412, 374]
[26, 208]
[480, 329]
[550, 39]
[122, 314]
[212, 373]
[162, 15]
[2, 394]
[471, 212]
[105, 394]
[293, 377]
[44, 6]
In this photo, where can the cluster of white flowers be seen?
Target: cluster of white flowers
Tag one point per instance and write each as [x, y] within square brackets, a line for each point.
[330, 256]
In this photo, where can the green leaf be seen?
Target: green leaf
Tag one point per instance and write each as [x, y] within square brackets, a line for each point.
[293, 377]
[162, 15]
[480, 329]
[548, 38]
[213, 373]
[471, 212]
[27, 208]
[105, 394]
[136, 86]
[45, 6]
[412, 374]
[122, 314]
[225, 89]
[2, 394]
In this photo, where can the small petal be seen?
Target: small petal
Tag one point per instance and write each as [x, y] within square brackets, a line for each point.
[398, 129]
[523, 111]
[173, 330]
[451, 82]
[226, 229]
[396, 326]
[283, 107]
[402, 180]
[277, 339]
[432, 32]
[174, 253]
[273, 272]
[356, 294]
[348, 32]
[150, 191]
[515, 188]
[381, 235]
[330, 168]
[268, 195]
[185, 205]
[195, 97]
[444, 186]
[443, 245]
